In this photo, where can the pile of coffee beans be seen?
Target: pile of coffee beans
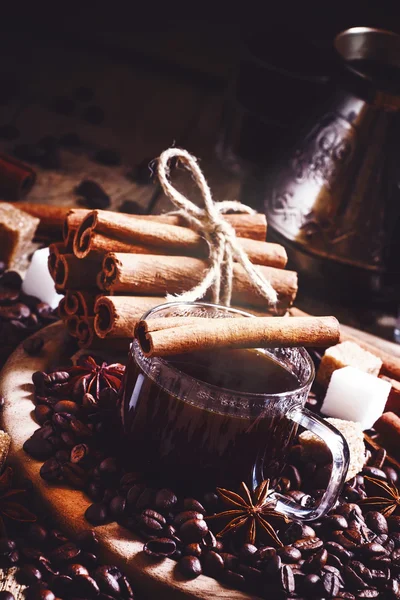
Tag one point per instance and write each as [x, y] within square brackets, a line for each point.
[351, 553]
[53, 566]
[20, 315]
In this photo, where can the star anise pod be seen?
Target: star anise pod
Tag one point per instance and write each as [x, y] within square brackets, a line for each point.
[254, 511]
[383, 496]
[89, 377]
[10, 502]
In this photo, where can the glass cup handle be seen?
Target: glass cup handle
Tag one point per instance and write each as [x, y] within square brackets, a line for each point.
[340, 462]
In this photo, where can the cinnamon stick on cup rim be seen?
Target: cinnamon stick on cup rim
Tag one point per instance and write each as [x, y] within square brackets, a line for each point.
[157, 338]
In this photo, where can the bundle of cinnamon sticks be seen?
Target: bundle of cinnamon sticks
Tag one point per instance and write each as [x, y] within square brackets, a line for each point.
[114, 267]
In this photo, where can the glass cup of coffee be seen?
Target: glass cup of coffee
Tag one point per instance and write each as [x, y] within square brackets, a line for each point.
[207, 419]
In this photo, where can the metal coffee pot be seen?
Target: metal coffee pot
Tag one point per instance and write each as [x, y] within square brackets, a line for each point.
[334, 197]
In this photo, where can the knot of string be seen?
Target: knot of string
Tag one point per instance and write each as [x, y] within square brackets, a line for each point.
[224, 248]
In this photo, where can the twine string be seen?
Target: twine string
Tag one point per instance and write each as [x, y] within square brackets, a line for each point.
[220, 235]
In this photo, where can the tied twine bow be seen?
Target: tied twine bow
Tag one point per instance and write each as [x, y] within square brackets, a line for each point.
[220, 235]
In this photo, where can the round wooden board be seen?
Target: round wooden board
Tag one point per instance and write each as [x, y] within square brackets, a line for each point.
[66, 506]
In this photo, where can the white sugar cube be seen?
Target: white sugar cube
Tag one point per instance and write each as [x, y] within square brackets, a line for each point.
[354, 395]
[38, 281]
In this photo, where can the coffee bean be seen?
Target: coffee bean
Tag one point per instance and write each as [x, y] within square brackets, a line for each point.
[209, 541]
[66, 406]
[151, 522]
[232, 579]
[287, 579]
[74, 475]
[393, 523]
[330, 583]
[76, 569]
[107, 581]
[247, 552]
[266, 553]
[190, 567]
[165, 500]
[117, 507]
[29, 574]
[42, 413]
[93, 194]
[353, 579]
[39, 593]
[308, 545]
[349, 510]
[368, 593]
[160, 547]
[11, 279]
[62, 585]
[273, 566]
[312, 585]
[296, 531]
[38, 448]
[97, 513]
[210, 501]
[33, 345]
[65, 553]
[372, 549]
[289, 554]
[374, 472]
[213, 564]
[376, 521]
[193, 549]
[186, 516]
[79, 454]
[316, 562]
[336, 522]
[193, 504]
[6, 596]
[130, 207]
[349, 542]
[51, 471]
[193, 530]
[231, 561]
[87, 540]
[391, 474]
[85, 586]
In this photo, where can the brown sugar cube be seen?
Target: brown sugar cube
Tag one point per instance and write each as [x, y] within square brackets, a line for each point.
[17, 229]
[315, 449]
[346, 354]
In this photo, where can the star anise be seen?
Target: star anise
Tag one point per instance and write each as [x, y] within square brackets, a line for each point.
[89, 377]
[383, 496]
[10, 502]
[254, 511]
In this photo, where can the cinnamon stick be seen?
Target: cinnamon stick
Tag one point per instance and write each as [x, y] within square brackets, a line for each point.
[71, 324]
[85, 332]
[51, 218]
[159, 275]
[79, 303]
[72, 220]
[104, 231]
[72, 273]
[55, 250]
[157, 339]
[116, 316]
[16, 177]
